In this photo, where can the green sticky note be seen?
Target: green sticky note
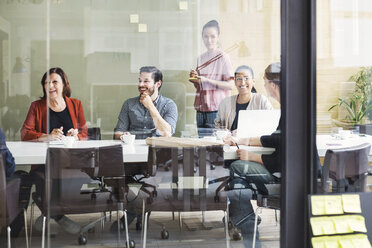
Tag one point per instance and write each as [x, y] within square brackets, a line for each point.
[361, 241]
[333, 204]
[318, 204]
[341, 224]
[351, 203]
[317, 226]
[357, 223]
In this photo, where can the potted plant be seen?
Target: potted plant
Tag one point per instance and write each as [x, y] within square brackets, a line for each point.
[359, 105]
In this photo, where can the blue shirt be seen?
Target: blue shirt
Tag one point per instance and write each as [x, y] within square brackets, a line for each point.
[135, 117]
[7, 156]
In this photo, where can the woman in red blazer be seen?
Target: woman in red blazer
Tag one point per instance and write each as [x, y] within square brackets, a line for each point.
[66, 116]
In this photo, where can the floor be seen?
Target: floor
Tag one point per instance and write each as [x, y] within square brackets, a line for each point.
[199, 236]
[215, 237]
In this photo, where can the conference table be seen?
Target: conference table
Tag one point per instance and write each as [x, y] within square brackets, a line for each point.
[28, 153]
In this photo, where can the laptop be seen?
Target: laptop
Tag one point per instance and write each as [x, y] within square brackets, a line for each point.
[255, 123]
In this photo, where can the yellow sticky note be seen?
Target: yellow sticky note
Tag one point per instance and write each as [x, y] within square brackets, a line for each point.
[331, 243]
[134, 18]
[351, 203]
[357, 223]
[142, 28]
[345, 243]
[361, 241]
[318, 204]
[317, 242]
[317, 226]
[333, 204]
[341, 224]
[328, 227]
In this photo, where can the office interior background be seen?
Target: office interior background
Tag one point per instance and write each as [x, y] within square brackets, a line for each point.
[102, 44]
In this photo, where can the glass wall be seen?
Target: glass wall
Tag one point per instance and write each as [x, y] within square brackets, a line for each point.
[344, 93]
[101, 46]
[344, 117]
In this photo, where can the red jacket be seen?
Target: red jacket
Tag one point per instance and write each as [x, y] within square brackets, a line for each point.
[36, 121]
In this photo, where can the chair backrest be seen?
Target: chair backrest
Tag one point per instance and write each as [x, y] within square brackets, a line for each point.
[185, 190]
[94, 133]
[346, 163]
[2, 194]
[70, 168]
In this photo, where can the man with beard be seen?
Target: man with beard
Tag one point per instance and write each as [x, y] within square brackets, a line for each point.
[150, 113]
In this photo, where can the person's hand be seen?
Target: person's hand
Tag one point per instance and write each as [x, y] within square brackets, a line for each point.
[243, 154]
[73, 132]
[56, 134]
[228, 140]
[194, 77]
[145, 99]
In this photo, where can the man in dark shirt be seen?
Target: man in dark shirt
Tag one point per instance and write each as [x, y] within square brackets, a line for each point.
[24, 196]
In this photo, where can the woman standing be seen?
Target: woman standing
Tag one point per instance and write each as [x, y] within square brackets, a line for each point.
[213, 77]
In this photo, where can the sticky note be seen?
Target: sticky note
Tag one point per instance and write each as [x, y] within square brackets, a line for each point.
[341, 224]
[317, 204]
[317, 242]
[361, 241]
[183, 5]
[316, 226]
[357, 223]
[351, 203]
[134, 18]
[345, 243]
[333, 204]
[328, 227]
[142, 28]
[331, 243]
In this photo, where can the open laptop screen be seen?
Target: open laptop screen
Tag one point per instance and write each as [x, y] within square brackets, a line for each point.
[254, 123]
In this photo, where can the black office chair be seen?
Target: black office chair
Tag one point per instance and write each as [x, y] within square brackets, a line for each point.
[347, 167]
[94, 133]
[177, 198]
[69, 169]
[10, 206]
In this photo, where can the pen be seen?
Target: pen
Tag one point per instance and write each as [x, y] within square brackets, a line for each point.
[236, 145]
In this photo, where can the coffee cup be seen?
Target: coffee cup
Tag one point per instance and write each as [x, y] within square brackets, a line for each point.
[128, 138]
[68, 141]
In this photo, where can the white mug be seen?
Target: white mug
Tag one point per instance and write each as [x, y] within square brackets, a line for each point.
[128, 138]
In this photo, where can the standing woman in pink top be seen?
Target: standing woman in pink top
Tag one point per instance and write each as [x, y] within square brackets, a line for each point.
[213, 79]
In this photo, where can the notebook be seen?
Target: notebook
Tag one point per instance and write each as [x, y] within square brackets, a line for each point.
[255, 123]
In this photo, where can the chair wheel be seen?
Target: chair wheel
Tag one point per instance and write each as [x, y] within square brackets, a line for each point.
[213, 167]
[164, 234]
[132, 244]
[195, 170]
[82, 240]
[216, 198]
[230, 225]
[138, 226]
[237, 235]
